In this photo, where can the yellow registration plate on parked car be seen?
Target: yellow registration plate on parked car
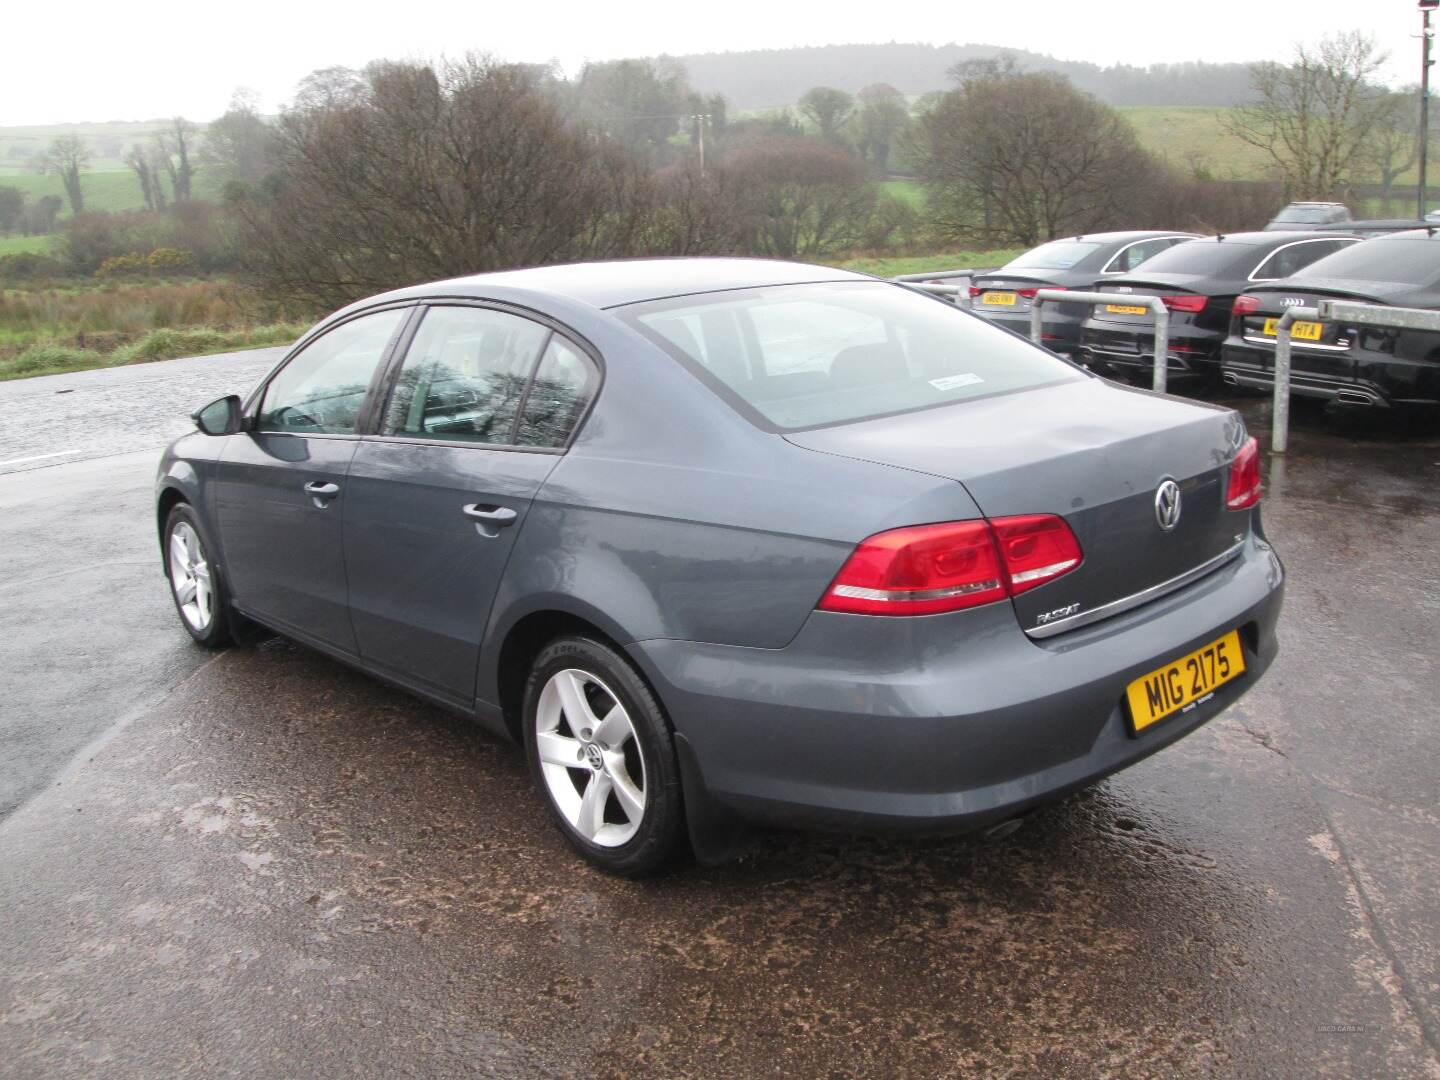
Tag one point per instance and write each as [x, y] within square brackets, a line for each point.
[1299, 331]
[998, 299]
[1126, 309]
[1184, 683]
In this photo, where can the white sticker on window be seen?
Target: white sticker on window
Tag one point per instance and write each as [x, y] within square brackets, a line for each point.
[953, 382]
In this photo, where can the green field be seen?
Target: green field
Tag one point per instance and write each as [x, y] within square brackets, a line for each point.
[15, 245]
[906, 191]
[111, 190]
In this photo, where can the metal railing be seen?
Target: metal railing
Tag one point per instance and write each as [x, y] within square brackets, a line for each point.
[1155, 305]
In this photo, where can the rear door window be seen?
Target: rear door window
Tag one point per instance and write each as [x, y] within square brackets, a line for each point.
[1295, 257]
[464, 375]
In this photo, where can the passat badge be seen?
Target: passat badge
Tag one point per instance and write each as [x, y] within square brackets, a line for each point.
[1167, 504]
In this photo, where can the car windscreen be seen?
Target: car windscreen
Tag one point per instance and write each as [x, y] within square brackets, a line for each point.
[1203, 257]
[1413, 262]
[1303, 215]
[803, 356]
[1056, 255]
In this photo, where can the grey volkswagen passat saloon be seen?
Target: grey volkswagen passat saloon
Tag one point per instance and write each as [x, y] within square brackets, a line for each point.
[727, 540]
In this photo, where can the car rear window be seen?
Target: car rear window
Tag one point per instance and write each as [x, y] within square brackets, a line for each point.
[1410, 261]
[803, 356]
[1056, 255]
[1203, 257]
[1304, 215]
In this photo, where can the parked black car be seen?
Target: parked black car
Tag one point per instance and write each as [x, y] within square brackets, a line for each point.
[1005, 296]
[1198, 282]
[1349, 365]
[1308, 215]
[1374, 227]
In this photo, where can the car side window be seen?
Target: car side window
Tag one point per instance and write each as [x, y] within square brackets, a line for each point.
[563, 386]
[322, 388]
[464, 375]
[1135, 254]
[1288, 260]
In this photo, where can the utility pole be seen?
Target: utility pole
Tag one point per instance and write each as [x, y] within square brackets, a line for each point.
[1426, 6]
[700, 121]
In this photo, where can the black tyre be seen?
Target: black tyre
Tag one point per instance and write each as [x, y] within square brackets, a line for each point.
[197, 584]
[601, 752]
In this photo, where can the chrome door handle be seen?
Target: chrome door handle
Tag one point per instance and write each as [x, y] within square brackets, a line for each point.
[489, 520]
[321, 493]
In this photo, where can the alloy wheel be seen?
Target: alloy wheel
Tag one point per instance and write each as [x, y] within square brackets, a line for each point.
[590, 758]
[190, 576]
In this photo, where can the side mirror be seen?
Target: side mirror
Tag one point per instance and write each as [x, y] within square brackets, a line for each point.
[220, 417]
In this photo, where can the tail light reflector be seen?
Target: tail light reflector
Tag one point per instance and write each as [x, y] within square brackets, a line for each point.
[928, 569]
[1246, 305]
[1244, 489]
[1191, 304]
[976, 290]
[1029, 294]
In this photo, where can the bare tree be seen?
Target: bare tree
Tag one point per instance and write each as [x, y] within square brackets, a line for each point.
[799, 197]
[144, 162]
[1394, 143]
[434, 172]
[882, 117]
[1314, 116]
[828, 109]
[66, 157]
[240, 145]
[12, 208]
[1017, 158]
[174, 145]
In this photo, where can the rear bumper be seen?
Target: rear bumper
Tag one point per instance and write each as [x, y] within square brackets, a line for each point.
[1191, 354]
[1059, 328]
[948, 722]
[1358, 378]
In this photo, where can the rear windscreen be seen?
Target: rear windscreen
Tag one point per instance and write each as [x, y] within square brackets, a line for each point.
[1056, 255]
[1303, 215]
[799, 356]
[1204, 257]
[1409, 261]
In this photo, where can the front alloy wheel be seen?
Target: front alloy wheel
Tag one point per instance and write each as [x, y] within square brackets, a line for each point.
[196, 584]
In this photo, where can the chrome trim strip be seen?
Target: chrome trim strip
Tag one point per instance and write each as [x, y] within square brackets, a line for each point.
[1134, 600]
[1319, 347]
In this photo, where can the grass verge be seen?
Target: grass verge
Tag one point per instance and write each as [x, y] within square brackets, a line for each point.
[919, 264]
[166, 344]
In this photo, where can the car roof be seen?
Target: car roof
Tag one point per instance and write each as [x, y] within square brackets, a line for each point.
[1274, 238]
[1430, 233]
[1118, 237]
[630, 281]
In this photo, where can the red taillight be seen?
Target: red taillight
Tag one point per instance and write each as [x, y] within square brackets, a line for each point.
[1035, 549]
[927, 569]
[1191, 304]
[1244, 489]
[976, 290]
[1029, 294]
[1246, 305]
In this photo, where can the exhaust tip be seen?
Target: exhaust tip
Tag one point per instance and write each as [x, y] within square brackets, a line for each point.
[993, 833]
[1229, 379]
[1353, 397]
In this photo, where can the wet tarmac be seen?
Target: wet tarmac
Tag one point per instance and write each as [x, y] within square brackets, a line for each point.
[268, 865]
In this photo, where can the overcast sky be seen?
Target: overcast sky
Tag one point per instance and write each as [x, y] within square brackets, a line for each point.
[113, 60]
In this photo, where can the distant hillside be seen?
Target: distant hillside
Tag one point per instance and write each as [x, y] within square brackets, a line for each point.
[774, 78]
[107, 141]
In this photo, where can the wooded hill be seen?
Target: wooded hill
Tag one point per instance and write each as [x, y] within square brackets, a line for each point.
[774, 78]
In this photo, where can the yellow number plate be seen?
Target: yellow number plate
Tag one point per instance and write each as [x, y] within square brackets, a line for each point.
[1126, 309]
[1300, 331]
[999, 299]
[1184, 683]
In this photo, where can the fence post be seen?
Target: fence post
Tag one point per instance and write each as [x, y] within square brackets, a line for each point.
[1280, 411]
[1154, 303]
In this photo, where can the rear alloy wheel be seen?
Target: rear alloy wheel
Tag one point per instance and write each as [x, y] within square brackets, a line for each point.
[195, 582]
[601, 752]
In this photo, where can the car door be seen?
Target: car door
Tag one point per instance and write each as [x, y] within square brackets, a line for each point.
[478, 409]
[281, 482]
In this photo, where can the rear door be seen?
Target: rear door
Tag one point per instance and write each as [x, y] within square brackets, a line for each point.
[480, 407]
[281, 484]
